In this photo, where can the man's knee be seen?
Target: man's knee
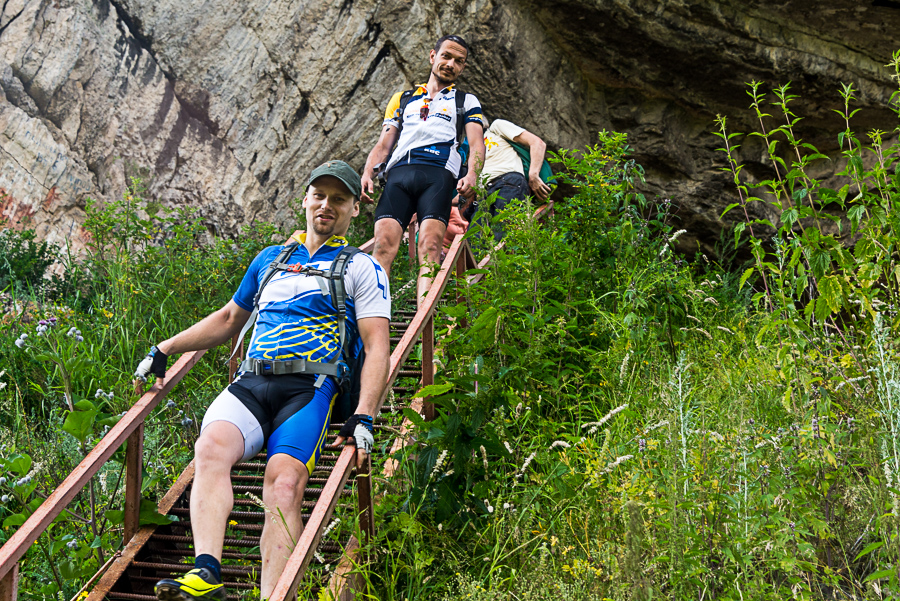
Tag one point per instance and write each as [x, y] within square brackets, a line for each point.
[285, 487]
[215, 447]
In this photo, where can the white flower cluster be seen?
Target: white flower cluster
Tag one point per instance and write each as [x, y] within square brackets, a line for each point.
[20, 341]
[438, 464]
[107, 395]
[521, 472]
[76, 333]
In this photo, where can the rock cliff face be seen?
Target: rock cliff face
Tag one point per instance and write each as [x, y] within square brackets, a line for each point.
[226, 106]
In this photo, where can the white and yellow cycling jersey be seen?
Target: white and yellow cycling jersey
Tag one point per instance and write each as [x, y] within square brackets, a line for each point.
[428, 135]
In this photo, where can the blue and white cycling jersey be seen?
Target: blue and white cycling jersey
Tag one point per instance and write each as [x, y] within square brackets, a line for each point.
[296, 319]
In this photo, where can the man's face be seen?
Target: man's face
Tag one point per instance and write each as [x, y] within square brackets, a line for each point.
[448, 62]
[329, 206]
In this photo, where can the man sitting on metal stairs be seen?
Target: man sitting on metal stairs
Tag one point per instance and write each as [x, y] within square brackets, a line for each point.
[303, 352]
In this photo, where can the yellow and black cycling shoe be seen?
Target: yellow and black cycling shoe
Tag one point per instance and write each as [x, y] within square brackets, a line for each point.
[197, 585]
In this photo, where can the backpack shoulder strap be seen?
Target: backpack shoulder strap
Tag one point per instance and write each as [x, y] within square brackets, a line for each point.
[405, 97]
[338, 290]
[460, 115]
[273, 268]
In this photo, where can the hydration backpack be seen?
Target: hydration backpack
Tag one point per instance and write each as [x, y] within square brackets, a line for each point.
[344, 367]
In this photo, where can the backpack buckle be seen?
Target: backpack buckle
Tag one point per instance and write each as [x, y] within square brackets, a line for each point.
[343, 376]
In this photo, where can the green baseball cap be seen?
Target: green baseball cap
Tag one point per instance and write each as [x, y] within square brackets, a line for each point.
[342, 171]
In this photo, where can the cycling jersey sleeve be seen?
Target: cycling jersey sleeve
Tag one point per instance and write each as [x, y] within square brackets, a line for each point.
[473, 110]
[250, 284]
[367, 285]
[392, 114]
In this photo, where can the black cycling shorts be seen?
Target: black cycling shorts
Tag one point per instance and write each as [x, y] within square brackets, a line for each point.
[425, 190]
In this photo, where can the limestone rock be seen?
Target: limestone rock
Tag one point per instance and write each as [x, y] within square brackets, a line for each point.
[226, 106]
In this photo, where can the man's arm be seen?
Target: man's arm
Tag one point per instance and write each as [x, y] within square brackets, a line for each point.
[375, 334]
[475, 136]
[537, 149]
[379, 154]
[212, 330]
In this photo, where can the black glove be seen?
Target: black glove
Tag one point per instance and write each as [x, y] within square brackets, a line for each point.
[154, 363]
[360, 428]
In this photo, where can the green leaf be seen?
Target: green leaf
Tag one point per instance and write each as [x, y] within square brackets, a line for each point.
[84, 405]
[115, 516]
[433, 390]
[16, 519]
[879, 575]
[746, 275]
[80, 423]
[67, 569]
[20, 464]
[830, 289]
[150, 515]
[869, 548]
[413, 416]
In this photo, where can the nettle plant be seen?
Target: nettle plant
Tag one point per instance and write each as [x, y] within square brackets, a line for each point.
[834, 255]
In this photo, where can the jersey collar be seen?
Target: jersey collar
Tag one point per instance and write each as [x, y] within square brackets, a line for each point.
[333, 242]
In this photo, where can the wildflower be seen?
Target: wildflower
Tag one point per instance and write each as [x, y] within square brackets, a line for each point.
[170, 404]
[605, 418]
[521, 472]
[508, 448]
[624, 368]
[724, 329]
[704, 332]
[71, 331]
[5, 498]
[440, 526]
[560, 443]
[2, 481]
[72, 544]
[710, 299]
[693, 318]
[232, 522]
[619, 461]
[490, 508]
[330, 527]
[20, 343]
[187, 422]
[437, 465]
[675, 235]
[642, 444]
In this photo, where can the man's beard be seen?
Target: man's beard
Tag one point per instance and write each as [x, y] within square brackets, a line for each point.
[321, 229]
[443, 81]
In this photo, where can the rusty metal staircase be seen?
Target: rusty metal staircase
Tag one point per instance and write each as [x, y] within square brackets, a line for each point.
[336, 485]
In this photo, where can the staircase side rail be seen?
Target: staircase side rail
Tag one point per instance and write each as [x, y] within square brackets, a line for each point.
[312, 533]
[35, 525]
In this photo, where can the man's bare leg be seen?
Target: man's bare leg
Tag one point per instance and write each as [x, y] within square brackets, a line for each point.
[388, 234]
[220, 446]
[283, 488]
[431, 240]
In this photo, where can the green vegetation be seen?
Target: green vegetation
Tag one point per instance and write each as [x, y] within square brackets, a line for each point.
[616, 421]
[619, 423]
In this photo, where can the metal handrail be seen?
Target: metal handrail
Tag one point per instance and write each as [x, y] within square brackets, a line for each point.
[126, 429]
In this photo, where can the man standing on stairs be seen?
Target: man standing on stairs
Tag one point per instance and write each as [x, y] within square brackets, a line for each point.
[425, 171]
[284, 395]
[505, 170]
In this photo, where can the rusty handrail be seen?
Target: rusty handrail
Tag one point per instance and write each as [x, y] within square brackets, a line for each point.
[44, 515]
